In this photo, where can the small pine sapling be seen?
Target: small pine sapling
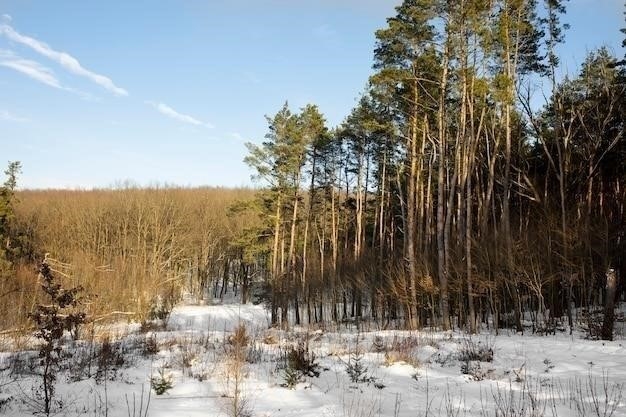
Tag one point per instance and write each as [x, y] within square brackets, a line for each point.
[161, 383]
[300, 362]
[356, 370]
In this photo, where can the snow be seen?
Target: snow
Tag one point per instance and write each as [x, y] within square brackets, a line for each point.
[408, 373]
[218, 317]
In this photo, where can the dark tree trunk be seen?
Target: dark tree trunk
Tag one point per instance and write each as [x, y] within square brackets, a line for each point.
[609, 307]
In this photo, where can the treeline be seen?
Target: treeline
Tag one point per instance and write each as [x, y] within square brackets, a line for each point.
[135, 251]
[449, 196]
[452, 195]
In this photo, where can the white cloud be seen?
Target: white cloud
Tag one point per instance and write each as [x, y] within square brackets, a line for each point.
[170, 112]
[33, 70]
[67, 61]
[6, 17]
[38, 72]
[9, 117]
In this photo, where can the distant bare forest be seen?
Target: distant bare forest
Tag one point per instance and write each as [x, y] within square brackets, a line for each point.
[131, 249]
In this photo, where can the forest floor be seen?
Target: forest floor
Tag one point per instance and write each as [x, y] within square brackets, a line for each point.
[208, 366]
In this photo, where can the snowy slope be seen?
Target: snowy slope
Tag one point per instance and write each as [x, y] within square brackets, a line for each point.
[403, 373]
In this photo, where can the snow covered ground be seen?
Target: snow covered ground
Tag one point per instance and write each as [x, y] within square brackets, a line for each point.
[394, 373]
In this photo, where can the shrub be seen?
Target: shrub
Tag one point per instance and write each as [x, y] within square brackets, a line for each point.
[236, 373]
[407, 357]
[476, 351]
[4, 403]
[475, 370]
[150, 347]
[161, 383]
[291, 377]
[471, 354]
[597, 398]
[592, 323]
[52, 320]
[161, 307]
[109, 359]
[356, 370]
[303, 360]
[378, 345]
[239, 337]
[299, 362]
[255, 353]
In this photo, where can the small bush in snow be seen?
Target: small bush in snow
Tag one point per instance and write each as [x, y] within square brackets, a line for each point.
[148, 326]
[403, 344]
[5, 399]
[236, 373]
[379, 345]
[355, 368]
[186, 354]
[291, 377]
[472, 350]
[161, 383]
[150, 346]
[407, 357]
[302, 359]
[202, 370]
[357, 371]
[592, 321]
[4, 403]
[471, 354]
[299, 362]
[549, 365]
[475, 370]
[239, 337]
[109, 359]
[22, 363]
[82, 363]
[255, 353]
[160, 308]
[270, 337]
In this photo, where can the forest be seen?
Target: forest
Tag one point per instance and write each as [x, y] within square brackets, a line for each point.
[474, 184]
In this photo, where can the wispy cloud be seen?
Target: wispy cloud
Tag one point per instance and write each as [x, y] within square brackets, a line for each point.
[170, 112]
[64, 59]
[32, 69]
[10, 117]
[38, 72]
[6, 17]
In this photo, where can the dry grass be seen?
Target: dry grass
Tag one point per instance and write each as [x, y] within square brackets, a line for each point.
[394, 356]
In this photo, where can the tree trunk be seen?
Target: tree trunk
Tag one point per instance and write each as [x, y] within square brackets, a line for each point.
[410, 240]
[609, 306]
[442, 264]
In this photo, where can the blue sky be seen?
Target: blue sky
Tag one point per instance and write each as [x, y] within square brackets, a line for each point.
[93, 94]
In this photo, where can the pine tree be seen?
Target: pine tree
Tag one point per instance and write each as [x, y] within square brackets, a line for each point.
[279, 162]
[7, 200]
[406, 82]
